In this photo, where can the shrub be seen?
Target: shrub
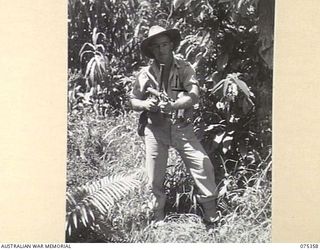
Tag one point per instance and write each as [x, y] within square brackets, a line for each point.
[229, 42]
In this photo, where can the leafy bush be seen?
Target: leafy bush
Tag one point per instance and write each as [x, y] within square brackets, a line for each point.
[220, 37]
[230, 44]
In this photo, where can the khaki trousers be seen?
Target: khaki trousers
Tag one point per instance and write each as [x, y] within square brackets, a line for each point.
[158, 139]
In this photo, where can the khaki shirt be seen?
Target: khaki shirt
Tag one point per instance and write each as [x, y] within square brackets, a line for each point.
[182, 77]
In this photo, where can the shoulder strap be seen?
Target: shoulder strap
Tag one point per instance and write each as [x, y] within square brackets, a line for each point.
[180, 83]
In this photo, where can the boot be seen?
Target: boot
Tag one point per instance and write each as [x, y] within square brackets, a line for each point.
[158, 208]
[159, 215]
[210, 212]
[158, 218]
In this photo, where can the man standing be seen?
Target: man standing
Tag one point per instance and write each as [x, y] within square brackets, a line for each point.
[169, 121]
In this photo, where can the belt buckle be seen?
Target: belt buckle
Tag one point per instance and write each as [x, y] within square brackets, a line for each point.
[176, 120]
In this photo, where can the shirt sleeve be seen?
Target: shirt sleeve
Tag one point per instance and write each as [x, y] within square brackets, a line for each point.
[138, 90]
[189, 77]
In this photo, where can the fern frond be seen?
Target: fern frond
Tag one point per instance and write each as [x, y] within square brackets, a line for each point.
[84, 216]
[97, 197]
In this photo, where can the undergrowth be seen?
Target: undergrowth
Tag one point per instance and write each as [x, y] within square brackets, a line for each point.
[99, 147]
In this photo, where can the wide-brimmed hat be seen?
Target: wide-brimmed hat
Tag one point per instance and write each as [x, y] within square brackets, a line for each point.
[155, 31]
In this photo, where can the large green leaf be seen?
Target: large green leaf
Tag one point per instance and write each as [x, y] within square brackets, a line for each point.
[85, 52]
[242, 85]
[92, 72]
[89, 67]
[84, 47]
[100, 46]
[217, 86]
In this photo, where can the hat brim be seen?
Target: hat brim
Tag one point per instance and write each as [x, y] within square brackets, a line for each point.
[173, 34]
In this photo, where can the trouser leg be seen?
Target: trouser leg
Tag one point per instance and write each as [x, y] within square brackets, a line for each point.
[201, 169]
[156, 163]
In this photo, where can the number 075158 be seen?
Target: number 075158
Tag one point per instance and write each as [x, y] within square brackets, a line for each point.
[309, 246]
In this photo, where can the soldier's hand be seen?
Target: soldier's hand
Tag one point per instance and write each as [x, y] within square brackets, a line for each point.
[151, 105]
[166, 107]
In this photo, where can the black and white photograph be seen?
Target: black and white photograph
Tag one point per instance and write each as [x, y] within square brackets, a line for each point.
[169, 121]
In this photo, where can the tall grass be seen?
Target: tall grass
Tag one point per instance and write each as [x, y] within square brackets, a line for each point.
[99, 147]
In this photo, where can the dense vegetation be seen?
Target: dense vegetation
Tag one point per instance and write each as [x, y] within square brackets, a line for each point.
[230, 44]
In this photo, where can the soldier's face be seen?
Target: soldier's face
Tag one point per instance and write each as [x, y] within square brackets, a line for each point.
[161, 48]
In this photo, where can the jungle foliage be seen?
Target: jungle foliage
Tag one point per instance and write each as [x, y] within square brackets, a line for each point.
[230, 44]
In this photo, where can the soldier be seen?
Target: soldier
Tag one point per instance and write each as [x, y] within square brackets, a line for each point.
[169, 121]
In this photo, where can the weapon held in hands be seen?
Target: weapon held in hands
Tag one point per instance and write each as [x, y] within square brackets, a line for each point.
[143, 120]
[159, 94]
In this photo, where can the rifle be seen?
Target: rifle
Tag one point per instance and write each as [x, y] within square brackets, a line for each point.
[159, 94]
[143, 119]
[164, 97]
